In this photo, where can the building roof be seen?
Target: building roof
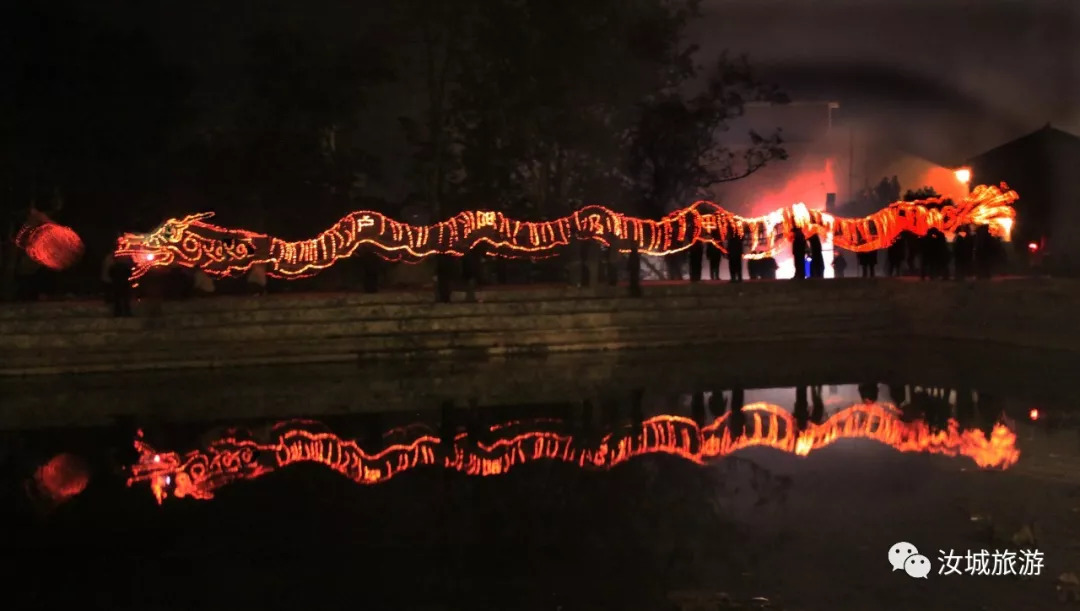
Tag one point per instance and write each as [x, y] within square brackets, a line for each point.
[1044, 138]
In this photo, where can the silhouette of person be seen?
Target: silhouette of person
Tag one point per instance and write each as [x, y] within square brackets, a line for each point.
[984, 252]
[696, 250]
[963, 253]
[715, 256]
[817, 257]
[911, 249]
[119, 279]
[798, 252]
[769, 267]
[584, 260]
[926, 257]
[941, 254]
[735, 254]
[868, 263]
[470, 272]
[839, 264]
[611, 268]
[894, 258]
[106, 277]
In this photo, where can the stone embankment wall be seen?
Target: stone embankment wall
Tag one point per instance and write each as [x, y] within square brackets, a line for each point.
[58, 338]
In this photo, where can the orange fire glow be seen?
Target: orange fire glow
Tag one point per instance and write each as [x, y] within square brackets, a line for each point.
[198, 473]
[194, 243]
[810, 183]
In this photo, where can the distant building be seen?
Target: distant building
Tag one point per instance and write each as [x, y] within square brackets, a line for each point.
[815, 153]
[826, 154]
[1043, 167]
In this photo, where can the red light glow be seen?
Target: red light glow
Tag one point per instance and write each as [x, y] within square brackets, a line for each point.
[198, 473]
[1033, 414]
[1033, 247]
[53, 246]
[219, 251]
[64, 476]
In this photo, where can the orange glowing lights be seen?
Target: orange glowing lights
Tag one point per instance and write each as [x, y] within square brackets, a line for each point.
[1034, 414]
[198, 473]
[219, 251]
[963, 175]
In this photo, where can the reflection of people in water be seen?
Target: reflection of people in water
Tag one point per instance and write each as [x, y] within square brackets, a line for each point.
[817, 414]
[697, 408]
[717, 404]
[802, 406]
[897, 394]
[737, 420]
[868, 392]
[965, 407]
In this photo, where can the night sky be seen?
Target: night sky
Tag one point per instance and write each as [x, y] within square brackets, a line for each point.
[947, 79]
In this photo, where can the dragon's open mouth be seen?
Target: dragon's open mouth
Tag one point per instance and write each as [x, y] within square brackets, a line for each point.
[145, 252]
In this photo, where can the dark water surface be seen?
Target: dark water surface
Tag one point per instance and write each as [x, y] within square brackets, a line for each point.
[589, 483]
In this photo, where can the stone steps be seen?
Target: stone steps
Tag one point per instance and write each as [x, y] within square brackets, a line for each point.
[147, 332]
[22, 313]
[479, 338]
[231, 331]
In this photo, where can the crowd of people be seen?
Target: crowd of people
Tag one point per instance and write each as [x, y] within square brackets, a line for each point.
[973, 253]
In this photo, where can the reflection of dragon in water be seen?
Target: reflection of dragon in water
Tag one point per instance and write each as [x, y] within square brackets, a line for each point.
[199, 473]
[194, 243]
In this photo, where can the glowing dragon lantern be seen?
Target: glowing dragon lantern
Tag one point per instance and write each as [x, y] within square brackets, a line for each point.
[250, 455]
[194, 243]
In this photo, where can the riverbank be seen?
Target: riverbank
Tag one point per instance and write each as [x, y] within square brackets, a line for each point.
[65, 338]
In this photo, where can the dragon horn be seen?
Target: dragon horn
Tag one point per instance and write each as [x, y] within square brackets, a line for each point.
[201, 216]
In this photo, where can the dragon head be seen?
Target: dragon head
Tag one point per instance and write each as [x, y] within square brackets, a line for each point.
[992, 206]
[191, 242]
